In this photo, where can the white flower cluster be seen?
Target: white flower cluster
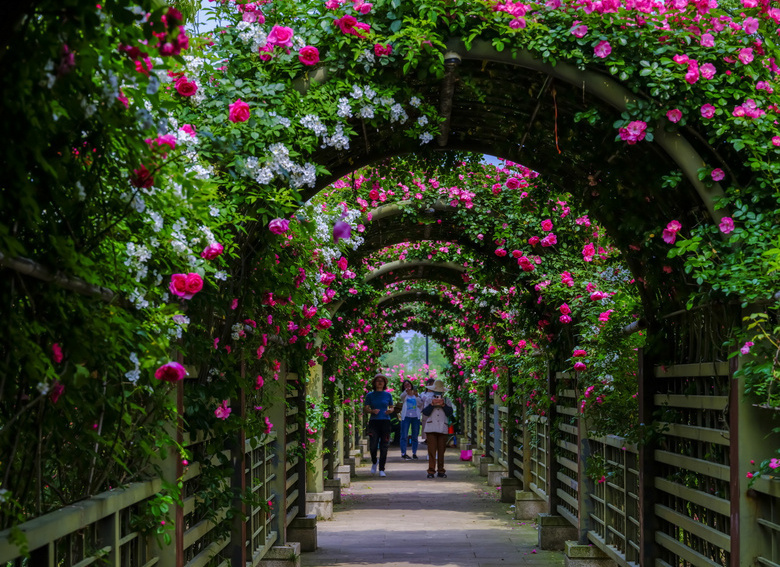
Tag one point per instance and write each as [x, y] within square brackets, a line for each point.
[338, 140]
[367, 58]
[135, 374]
[313, 123]
[282, 120]
[280, 164]
[137, 256]
[344, 109]
[137, 298]
[425, 137]
[252, 33]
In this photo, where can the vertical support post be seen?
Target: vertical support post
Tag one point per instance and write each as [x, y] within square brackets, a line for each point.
[238, 536]
[108, 536]
[752, 438]
[511, 426]
[487, 420]
[647, 466]
[527, 462]
[551, 462]
[315, 480]
[278, 466]
[584, 483]
[301, 466]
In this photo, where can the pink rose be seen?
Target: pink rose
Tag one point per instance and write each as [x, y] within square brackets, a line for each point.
[726, 225]
[170, 372]
[602, 49]
[707, 111]
[564, 309]
[670, 232]
[512, 183]
[500, 252]
[578, 353]
[580, 366]
[185, 87]
[280, 35]
[342, 263]
[579, 30]
[746, 55]
[708, 71]
[674, 115]
[185, 285]
[549, 240]
[533, 241]
[346, 24]
[56, 353]
[718, 174]
[239, 111]
[57, 389]
[309, 55]
[547, 225]
[745, 349]
[212, 251]
[323, 324]
[223, 411]
[279, 226]
[188, 129]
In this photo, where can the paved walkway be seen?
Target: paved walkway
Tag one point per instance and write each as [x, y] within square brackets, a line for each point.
[407, 520]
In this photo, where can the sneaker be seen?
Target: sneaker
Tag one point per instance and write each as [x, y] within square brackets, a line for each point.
[430, 475]
[382, 473]
[441, 475]
[406, 457]
[414, 456]
[373, 468]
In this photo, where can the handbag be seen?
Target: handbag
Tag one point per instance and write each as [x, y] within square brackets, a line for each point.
[465, 455]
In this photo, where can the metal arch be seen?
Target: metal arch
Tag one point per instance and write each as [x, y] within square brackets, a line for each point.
[612, 93]
[410, 265]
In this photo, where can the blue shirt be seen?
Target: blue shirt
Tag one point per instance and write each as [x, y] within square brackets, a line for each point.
[379, 400]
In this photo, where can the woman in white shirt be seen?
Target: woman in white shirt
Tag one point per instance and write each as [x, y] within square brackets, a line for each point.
[410, 416]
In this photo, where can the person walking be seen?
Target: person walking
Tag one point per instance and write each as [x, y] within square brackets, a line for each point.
[378, 403]
[435, 416]
[425, 396]
[411, 409]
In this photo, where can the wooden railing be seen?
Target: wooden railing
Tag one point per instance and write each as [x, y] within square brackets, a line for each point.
[84, 533]
[567, 452]
[615, 515]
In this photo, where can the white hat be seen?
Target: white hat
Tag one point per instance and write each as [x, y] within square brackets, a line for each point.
[437, 386]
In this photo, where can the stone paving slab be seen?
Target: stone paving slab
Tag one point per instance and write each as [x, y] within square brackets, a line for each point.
[407, 520]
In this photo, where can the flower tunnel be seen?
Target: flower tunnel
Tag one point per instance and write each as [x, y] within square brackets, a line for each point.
[213, 237]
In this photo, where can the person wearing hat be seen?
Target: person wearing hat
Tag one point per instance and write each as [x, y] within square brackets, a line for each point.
[435, 417]
[379, 403]
[425, 396]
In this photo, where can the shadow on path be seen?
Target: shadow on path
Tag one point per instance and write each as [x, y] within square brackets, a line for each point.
[407, 520]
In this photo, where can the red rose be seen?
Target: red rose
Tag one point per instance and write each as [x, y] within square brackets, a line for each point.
[194, 283]
[185, 87]
[309, 55]
[185, 285]
[170, 372]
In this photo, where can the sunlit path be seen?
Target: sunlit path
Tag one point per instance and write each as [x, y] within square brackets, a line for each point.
[408, 520]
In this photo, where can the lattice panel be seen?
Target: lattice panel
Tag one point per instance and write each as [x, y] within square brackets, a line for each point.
[693, 467]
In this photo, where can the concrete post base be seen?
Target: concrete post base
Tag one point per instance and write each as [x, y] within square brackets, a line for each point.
[320, 505]
[578, 555]
[288, 555]
[482, 463]
[463, 446]
[303, 531]
[528, 505]
[358, 456]
[494, 474]
[554, 532]
[334, 485]
[350, 462]
[344, 474]
[509, 486]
